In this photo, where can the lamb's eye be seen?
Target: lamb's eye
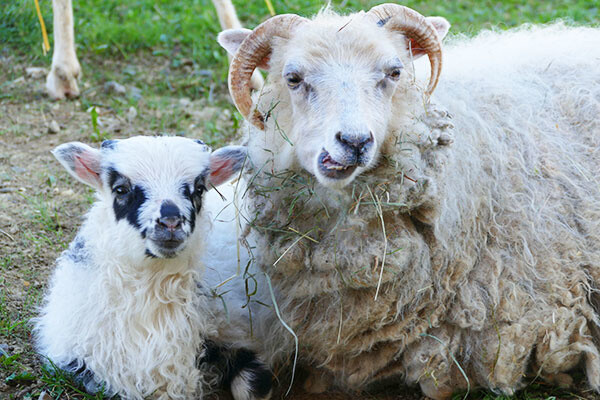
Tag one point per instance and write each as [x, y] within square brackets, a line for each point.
[199, 186]
[121, 190]
[293, 80]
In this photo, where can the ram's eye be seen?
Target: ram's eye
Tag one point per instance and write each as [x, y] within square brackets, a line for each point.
[121, 190]
[293, 80]
[394, 73]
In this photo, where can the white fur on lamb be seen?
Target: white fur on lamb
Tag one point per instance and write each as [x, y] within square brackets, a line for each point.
[136, 321]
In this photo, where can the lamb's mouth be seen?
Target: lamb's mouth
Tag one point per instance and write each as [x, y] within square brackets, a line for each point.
[333, 169]
[166, 248]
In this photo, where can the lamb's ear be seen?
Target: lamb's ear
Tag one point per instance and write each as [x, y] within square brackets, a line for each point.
[441, 25]
[225, 163]
[82, 161]
[231, 39]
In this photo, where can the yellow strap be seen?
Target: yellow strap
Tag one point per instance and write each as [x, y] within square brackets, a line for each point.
[46, 45]
[269, 6]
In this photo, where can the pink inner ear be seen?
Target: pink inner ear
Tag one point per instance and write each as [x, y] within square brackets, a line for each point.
[220, 170]
[87, 168]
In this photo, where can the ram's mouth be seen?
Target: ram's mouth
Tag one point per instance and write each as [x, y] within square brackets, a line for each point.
[334, 169]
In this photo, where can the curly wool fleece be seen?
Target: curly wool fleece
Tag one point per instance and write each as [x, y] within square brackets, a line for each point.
[452, 265]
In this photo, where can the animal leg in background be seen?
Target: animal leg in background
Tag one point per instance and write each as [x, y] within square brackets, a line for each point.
[65, 71]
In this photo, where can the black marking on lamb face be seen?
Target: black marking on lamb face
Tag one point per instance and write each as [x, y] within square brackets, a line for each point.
[232, 361]
[143, 233]
[128, 205]
[192, 221]
[195, 197]
[113, 175]
[150, 254]
[169, 209]
[77, 251]
[185, 190]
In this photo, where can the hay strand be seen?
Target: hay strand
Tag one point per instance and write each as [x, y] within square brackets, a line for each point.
[287, 327]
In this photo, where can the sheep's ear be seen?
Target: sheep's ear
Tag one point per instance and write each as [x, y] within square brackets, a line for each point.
[225, 163]
[441, 25]
[231, 39]
[82, 161]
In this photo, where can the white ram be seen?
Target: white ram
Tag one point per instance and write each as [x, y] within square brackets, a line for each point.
[128, 309]
[450, 241]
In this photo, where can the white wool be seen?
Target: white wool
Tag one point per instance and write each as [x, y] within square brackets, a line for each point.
[238, 286]
[137, 321]
[491, 255]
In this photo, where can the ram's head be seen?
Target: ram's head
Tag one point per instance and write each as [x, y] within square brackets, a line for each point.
[339, 75]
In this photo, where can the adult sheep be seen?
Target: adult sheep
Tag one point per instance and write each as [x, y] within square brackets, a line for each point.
[450, 241]
[62, 80]
[129, 308]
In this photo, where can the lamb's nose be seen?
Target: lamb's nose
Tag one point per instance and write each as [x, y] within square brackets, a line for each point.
[170, 217]
[170, 223]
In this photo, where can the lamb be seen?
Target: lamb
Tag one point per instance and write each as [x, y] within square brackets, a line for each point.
[447, 240]
[128, 309]
[62, 80]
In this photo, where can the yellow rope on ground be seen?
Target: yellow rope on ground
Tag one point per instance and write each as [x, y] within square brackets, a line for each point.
[46, 44]
[269, 6]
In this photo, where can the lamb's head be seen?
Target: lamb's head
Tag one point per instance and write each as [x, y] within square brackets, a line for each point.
[337, 75]
[152, 187]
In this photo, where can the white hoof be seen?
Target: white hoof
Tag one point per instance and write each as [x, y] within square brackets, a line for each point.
[62, 80]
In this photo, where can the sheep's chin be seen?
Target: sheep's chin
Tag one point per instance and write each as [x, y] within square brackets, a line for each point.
[156, 249]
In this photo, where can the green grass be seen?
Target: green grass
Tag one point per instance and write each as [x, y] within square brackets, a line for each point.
[187, 28]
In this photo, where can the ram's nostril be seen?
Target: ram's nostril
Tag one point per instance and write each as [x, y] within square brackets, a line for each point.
[356, 141]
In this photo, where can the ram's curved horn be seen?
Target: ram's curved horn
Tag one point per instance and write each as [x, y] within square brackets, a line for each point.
[251, 52]
[416, 27]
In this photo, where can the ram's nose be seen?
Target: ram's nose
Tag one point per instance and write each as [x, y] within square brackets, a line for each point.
[356, 144]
